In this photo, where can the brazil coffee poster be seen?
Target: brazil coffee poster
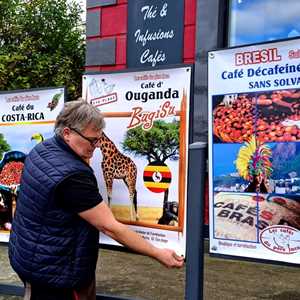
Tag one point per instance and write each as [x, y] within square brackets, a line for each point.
[27, 117]
[141, 166]
[254, 151]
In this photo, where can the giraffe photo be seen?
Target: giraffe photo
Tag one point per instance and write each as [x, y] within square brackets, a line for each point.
[116, 165]
[150, 149]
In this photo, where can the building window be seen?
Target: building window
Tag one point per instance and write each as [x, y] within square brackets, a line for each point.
[253, 21]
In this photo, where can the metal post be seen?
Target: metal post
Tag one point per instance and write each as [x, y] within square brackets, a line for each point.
[195, 243]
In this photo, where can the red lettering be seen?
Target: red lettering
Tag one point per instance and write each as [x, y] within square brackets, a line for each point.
[135, 117]
[257, 56]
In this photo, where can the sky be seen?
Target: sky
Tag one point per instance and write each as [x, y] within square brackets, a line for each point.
[224, 156]
[82, 3]
[263, 20]
[83, 6]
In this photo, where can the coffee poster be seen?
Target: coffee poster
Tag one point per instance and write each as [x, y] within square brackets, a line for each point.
[142, 165]
[254, 151]
[27, 117]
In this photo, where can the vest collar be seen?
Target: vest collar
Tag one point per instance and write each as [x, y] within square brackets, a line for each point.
[67, 148]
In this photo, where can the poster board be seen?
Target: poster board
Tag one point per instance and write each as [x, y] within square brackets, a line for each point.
[147, 124]
[26, 118]
[254, 151]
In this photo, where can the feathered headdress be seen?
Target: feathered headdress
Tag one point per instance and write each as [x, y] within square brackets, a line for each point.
[254, 160]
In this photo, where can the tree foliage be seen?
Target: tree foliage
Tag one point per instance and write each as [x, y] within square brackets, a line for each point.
[4, 146]
[41, 45]
[157, 144]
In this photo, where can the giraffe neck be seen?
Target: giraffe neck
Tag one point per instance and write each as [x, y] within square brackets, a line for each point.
[107, 146]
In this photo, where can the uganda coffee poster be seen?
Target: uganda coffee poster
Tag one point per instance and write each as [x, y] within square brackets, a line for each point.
[141, 164]
[254, 151]
[27, 117]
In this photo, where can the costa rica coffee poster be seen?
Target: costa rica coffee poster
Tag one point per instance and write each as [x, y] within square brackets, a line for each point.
[254, 151]
[27, 117]
[141, 165]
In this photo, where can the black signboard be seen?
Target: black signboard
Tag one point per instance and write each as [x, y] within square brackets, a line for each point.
[155, 32]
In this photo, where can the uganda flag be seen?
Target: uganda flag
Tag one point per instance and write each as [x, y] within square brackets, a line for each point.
[157, 177]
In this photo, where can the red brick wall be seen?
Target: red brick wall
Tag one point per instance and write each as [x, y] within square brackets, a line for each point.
[114, 24]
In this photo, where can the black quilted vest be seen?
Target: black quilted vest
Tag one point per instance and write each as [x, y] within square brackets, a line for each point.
[49, 246]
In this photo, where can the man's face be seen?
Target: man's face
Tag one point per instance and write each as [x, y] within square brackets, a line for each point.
[82, 142]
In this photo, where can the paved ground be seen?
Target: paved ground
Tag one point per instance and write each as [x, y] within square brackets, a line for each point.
[140, 277]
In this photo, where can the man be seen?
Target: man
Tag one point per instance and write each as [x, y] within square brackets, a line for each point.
[54, 239]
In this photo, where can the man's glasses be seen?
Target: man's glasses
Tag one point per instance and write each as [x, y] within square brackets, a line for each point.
[93, 141]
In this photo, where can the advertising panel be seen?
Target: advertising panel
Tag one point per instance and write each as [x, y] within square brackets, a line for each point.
[155, 33]
[142, 166]
[254, 119]
[27, 117]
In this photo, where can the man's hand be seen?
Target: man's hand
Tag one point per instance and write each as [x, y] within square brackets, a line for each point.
[169, 258]
[102, 218]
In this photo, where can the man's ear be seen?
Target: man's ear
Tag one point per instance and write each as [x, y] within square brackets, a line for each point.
[66, 134]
